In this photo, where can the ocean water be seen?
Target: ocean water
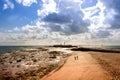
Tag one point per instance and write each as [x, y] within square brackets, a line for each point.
[8, 49]
[113, 47]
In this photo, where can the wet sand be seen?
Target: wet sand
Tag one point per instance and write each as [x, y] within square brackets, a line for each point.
[86, 67]
[31, 63]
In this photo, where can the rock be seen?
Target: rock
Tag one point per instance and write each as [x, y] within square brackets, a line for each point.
[10, 62]
[18, 66]
[19, 60]
[34, 60]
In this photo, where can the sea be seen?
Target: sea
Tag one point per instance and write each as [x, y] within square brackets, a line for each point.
[113, 47]
[9, 49]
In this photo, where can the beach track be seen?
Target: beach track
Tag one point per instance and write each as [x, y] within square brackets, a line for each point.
[85, 67]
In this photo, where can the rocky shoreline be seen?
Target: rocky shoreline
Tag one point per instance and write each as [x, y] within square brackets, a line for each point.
[30, 63]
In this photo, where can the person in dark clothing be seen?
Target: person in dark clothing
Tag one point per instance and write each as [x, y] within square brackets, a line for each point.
[77, 57]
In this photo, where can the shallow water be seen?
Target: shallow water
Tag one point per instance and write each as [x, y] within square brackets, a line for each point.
[8, 49]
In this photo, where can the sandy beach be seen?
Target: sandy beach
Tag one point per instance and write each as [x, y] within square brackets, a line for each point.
[89, 65]
[85, 68]
[59, 64]
[109, 62]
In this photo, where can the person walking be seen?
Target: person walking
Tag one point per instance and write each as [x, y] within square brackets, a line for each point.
[77, 57]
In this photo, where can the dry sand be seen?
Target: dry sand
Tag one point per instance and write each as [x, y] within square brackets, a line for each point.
[85, 68]
[110, 62]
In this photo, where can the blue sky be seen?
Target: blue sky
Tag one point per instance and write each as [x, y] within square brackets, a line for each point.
[19, 16]
[37, 22]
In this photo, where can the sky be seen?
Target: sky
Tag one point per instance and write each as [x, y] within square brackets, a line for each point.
[47, 22]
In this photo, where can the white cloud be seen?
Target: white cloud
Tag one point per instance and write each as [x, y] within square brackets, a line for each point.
[8, 4]
[36, 32]
[26, 2]
[109, 17]
[5, 6]
[78, 1]
[115, 36]
[98, 15]
[98, 10]
[48, 6]
[38, 35]
[9, 31]
[16, 29]
[41, 33]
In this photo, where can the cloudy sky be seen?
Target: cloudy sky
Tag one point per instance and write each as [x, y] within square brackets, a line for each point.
[42, 22]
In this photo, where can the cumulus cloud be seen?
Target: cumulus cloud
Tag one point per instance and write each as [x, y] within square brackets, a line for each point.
[101, 34]
[113, 9]
[100, 18]
[16, 29]
[57, 18]
[48, 6]
[8, 4]
[76, 21]
[29, 32]
[115, 38]
[26, 2]
[66, 16]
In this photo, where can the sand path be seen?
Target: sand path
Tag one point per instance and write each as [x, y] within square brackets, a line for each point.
[85, 68]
